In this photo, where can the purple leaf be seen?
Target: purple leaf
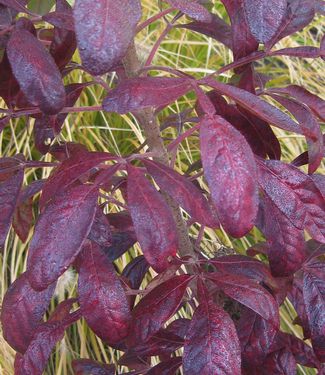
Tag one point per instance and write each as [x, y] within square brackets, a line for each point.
[315, 103]
[302, 52]
[100, 231]
[264, 17]
[256, 336]
[280, 362]
[100, 291]
[310, 127]
[9, 192]
[230, 170]
[314, 299]
[185, 193]
[104, 31]
[156, 308]
[22, 312]
[168, 367]
[192, 9]
[23, 219]
[44, 340]
[87, 367]
[211, 345]
[152, 219]
[122, 241]
[137, 93]
[40, 82]
[255, 105]
[285, 241]
[18, 5]
[248, 293]
[60, 233]
[61, 20]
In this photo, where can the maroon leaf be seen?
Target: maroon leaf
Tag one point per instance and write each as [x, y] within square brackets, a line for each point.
[255, 105]
[315, 103]
[295, 195]
[22, 312]
[280, 362]
[100, 231]
[104, 31]
[310, 128]
[302, 52]
[152, 219]
[9, 192]
[211, 345]
[256, 336]
[230, 170]
[44, 340]
[192, 9]
[101, 291]
[264, 17]
[156, 308]
[60, 233]
[41, 82]
[121, 241]
[168, 367]
[185, 193]
[217, 29]
[285, 241]
[137, 93]
[23, 219]
[248, 293]
[314, 299]
[89, 367]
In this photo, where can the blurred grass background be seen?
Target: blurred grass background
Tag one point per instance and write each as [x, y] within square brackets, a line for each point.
[193, 54]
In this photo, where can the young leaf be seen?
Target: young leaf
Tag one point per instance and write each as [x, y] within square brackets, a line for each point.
[104, 31]
[255, 105]
[152, 219]
[89, 367]
[264, 17]
[36, 72]
[22, 312]
[138, 93]
[230, 170]
[211, 345]
[100, 291]
[9, 192]
[156, 308]
[314, 299]
[192, 9]
[248, 293]
[185, 193]
[60, 233]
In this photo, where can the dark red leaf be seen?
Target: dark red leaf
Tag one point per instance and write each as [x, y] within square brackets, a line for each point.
[137, 93]
[185, 193]
[230, 170]
[121, 242]
[255, 105]
[22, 312]
[315, 103]
[168, 367]
[60, 233]
[285, 241]
[40, 82]
[243, 42]
[104, 31]
[100, 231]
[89, 367]
[264, 17]
[152, 219]
[295, 195]
[217, 29]
[102, 300]
[35, 358]
[281, 362]
[314, 299]
[211, 345]
[310, 127]
[64, 41]
[192, 9]
[248, 293]
[23, 219]
[156, 308]
[256, 336]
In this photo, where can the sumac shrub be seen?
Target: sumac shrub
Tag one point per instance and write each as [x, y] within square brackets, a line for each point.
[233, 300]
